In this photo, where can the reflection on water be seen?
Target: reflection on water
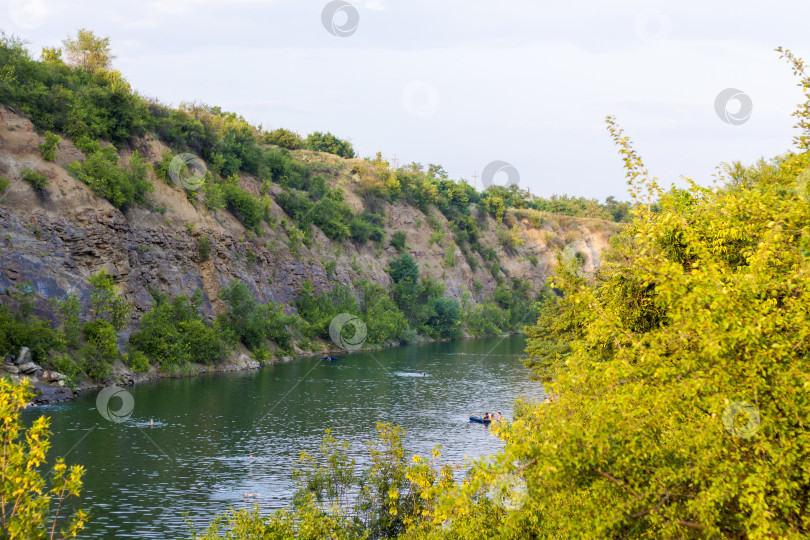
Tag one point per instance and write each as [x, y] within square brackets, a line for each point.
[215, 438]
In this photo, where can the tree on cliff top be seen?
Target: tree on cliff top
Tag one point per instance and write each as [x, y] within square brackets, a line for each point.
[88, 51]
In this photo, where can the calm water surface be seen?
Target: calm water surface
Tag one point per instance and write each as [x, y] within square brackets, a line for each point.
[195, 460]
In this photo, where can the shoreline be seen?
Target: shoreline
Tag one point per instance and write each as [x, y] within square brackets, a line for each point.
[52, 389]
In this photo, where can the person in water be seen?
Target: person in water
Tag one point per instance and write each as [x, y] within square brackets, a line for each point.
[500, 417]
[486, 416]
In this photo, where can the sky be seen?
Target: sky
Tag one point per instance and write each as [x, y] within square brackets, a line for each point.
[463, 84]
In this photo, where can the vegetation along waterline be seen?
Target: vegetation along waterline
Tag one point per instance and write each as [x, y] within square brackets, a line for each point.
[672, 335]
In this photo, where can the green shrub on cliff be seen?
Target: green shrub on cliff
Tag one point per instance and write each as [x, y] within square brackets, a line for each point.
[398, 240]
[48, 148]
[172, 332]
[254, 323]
[38, 181]
[101, 335]
[123, 188]
[247, 209]
[326, 142]
[106, 302]
[31, 332]
[283, 138]
[403, 268]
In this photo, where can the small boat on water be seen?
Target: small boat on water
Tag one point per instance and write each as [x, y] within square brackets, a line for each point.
[479, 419]
[329, 358]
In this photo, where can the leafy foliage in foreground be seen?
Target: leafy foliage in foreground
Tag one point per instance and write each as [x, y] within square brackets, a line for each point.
[30, 508]
[681, 375]
[336, 500]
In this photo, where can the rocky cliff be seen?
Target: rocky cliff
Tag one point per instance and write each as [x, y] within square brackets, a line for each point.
[59, 237]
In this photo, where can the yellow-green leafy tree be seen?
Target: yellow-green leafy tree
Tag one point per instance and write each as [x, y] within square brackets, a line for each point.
[88, 51]
[30, 509]
[682, 392]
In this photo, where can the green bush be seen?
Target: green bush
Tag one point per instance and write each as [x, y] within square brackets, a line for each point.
[253, 323]
[123, 188]
[384, 322]
[87, 145]
[18, 331]
[64, 364]
[284, 138]
[444, 319]
[37, 180]
[69, 309]
[488, 254]
[137, 361]
[318, 311]
[244, 206]
[94, 363]
[161, 167]
[403, 268]
[173, 332]
[332, 215]
[450, 255]
[203, 247]
[214, 194]
[48, 148]
[3, 184]
[105, 302]
[326, 142]
[279, 166]
[102, 336]
[398, 240]
[485, 319]
[361, 230]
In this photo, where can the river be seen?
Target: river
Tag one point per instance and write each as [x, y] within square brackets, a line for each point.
[195, 459]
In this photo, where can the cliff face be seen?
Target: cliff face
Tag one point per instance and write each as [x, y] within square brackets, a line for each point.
[58, 238]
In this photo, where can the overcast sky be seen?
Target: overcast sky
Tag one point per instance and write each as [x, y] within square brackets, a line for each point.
[464, 83]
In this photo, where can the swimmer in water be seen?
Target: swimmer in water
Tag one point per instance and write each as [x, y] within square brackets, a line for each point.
[151, 422]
